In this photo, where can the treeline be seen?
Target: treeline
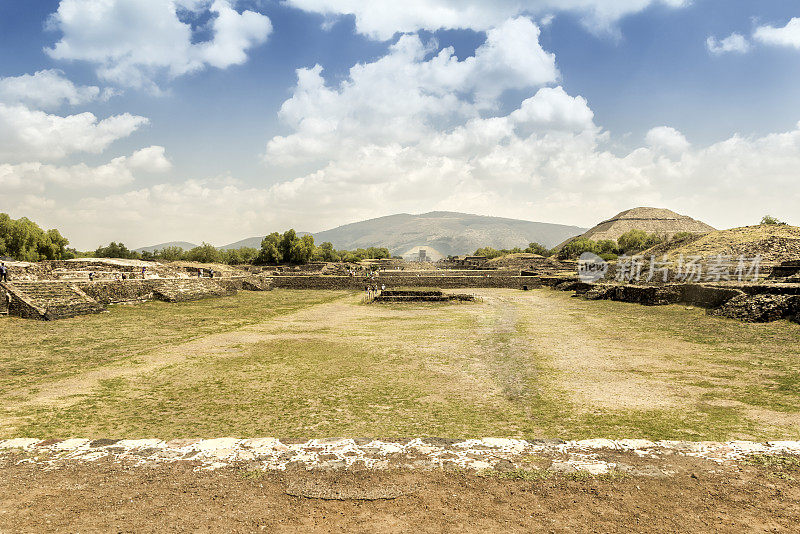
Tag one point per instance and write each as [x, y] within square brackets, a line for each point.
[23, 240]
[286, 248]
[290, 248]
[630, 242]
[205, 253]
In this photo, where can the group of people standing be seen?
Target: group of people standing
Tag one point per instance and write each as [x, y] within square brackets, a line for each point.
[372, 291]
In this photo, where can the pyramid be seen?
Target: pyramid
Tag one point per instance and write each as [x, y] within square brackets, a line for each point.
[659, 221]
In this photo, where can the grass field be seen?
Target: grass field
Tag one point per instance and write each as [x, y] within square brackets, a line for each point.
[311, 364]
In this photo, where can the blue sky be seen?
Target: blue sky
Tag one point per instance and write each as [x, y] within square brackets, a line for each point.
[550, 114]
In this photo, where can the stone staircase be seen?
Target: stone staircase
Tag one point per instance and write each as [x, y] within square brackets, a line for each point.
[49, 300]
[186, 289]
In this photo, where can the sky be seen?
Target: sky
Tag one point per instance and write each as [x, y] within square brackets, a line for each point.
[146, 121]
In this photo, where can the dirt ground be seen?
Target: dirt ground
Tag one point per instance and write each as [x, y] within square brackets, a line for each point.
[107, 497]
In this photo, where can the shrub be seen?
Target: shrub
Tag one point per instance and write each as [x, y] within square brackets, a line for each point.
[769, 220]
[636, 241]
[537, 248]
[578, 246]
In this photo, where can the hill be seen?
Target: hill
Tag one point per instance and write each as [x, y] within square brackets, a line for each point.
[185, 245]
[775, 243]
[449, 233]
[659, 221]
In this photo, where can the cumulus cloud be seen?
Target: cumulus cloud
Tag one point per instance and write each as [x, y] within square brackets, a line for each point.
[788, 35]
[33, 134]
[133, 42]
[119, 171]
[667, 139]
[47, 89]
[409, 94]
[381, 19]
[734, 43]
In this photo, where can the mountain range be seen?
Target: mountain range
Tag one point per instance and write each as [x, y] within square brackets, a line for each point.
[450, 233]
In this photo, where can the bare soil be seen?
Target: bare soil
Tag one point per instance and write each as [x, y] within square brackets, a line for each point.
[106, 497]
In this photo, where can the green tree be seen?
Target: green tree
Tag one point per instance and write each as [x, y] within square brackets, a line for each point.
[116, 250]
[205, 253]
[607, 246]
[769, 220]
[270, 252]
[170, 254]
[578, 246]
[537, 248]
[636, 240]
[488, 252]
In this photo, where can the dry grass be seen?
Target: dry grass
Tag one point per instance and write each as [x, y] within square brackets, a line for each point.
[748, 240]
[528, 364]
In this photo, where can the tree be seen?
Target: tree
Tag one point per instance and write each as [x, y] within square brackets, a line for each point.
[607, 246]
[24, 240]
[116, 250]
[488, 252]
[170, 254]
[205, 253]
[326, 252]
[636, 241]
[769, 220]
[578, 246]
[536, 248]
[300, 249]
[270, 252]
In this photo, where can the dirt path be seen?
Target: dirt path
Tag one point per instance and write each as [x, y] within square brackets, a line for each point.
[103, 497]
[71, 390]
[592, 356]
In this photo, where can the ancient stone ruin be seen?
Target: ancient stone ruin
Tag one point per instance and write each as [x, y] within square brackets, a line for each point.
[58, 290]
[421, 295]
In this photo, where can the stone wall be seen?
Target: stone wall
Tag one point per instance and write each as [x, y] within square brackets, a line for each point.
[392, 280]
[746, 302]
[171, 290]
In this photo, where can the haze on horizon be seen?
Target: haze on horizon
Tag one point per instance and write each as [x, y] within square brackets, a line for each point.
[146, 121]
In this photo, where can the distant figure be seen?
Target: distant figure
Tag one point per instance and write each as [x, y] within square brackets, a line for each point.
[124, 276]
[211, 273]
[383, 288]
[366, 290]
[3, 272]
[91, 276]
[143, 270]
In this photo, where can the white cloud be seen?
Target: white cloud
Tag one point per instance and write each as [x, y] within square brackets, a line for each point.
[48, 89]
[409, 94]
[735, 42]
[119, 171]
[381, 19]
[32, 134]
[150, 159]
[133, 42]
[667, 140]
[788, 35]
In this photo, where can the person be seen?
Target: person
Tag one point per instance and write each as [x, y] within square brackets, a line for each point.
[3, 272]
[143, 270]
[366, 290]
[91, 276]
[211, 273]
[383, 288]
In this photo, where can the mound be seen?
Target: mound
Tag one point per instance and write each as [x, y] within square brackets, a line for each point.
[659, 221]
[451, 234]
[775, 244]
